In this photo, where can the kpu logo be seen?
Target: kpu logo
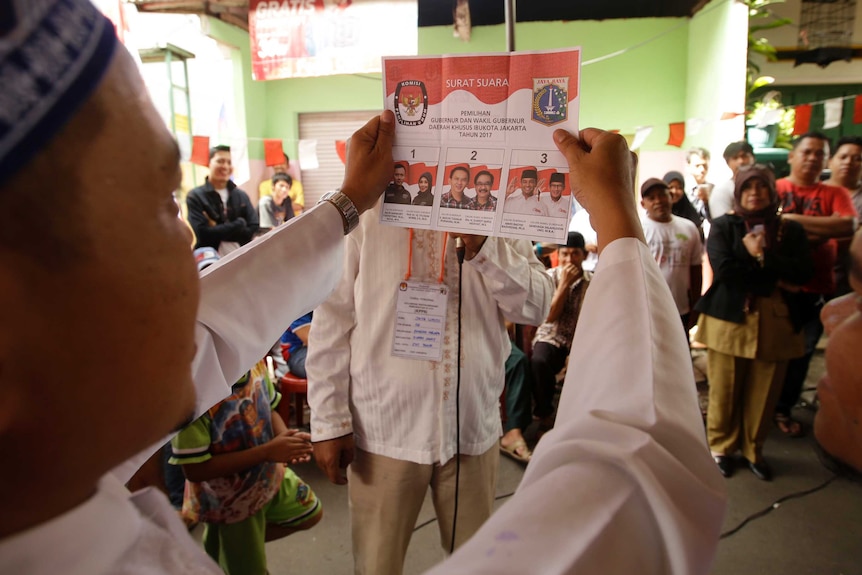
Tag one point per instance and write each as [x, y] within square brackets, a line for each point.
[411, 102]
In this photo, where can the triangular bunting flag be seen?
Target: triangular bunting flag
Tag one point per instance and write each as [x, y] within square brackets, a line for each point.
[768, 118]
[273, 152]
[693, 126]
[308, 155]
[641, 134]
[832, 111]
[677, 134]
[200, 150]
[857, 110]
[803, 119]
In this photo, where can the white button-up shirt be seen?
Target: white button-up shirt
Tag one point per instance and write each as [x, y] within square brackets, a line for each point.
[403, 408]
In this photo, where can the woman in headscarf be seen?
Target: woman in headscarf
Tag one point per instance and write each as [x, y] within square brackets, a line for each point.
[425, 197]
[680, 204]
[749, 318]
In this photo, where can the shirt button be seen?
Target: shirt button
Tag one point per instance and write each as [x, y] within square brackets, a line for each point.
[445, 396]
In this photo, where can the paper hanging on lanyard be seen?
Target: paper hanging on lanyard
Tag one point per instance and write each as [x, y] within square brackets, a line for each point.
[420, 320]
[474, 142]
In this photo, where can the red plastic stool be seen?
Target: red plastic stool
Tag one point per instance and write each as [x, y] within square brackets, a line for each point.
[290, 384]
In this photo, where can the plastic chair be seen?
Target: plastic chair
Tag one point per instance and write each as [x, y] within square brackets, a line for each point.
[298, 387]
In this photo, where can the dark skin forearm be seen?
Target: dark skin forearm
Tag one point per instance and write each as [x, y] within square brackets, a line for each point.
[824, 227]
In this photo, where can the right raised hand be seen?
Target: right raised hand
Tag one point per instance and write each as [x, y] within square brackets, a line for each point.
[369, 161]
[290, 447]
[333, 456]
[602, 172]
[511, 187]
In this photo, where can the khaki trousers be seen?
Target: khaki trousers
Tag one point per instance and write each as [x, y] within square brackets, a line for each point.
[386, 496]
[742, 397]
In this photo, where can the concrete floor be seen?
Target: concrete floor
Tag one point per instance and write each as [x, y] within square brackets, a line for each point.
[817, 534]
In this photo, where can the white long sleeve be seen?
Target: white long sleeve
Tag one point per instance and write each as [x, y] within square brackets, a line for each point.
[624, 483]
[249, 297]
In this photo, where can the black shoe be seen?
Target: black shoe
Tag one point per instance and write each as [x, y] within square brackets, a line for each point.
[725, 464]
[761, 470]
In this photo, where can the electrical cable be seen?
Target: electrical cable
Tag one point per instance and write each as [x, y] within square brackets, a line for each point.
[776, 505]
[460, 251]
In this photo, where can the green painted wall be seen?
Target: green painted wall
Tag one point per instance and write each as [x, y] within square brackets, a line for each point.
[286, 99]
[649, 83]
[250, 96]
[717, 53]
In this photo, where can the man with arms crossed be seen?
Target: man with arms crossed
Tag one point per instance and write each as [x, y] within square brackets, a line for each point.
[827, 214]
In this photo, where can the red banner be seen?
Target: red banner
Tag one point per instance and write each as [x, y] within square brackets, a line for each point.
[303, 38]
[676, 135]
[803, 119]
[201, 150]
[273, 152]
[857, 110]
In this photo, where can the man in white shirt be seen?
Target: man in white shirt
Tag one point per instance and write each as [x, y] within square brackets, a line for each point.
[394, 418]
[675, 244]
[580, 223]
[697, 188]
[737, 155]
[557, 205]
[527, 202]
[113, 278]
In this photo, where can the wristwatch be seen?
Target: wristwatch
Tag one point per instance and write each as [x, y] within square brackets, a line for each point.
[345, 205]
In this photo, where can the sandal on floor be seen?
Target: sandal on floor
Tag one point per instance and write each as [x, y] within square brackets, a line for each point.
[789, 426]
[517, 451]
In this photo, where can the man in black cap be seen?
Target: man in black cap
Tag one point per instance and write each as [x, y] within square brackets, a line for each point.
[554, 337]
[558, 206]
[675, 243]
[527, 202]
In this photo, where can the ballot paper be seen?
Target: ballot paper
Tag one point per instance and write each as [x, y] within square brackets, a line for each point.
[474, 150]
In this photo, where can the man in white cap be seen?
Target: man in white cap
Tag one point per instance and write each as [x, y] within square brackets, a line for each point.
[112, 276]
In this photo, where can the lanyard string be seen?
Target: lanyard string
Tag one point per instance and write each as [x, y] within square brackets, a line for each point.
[442, 257]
